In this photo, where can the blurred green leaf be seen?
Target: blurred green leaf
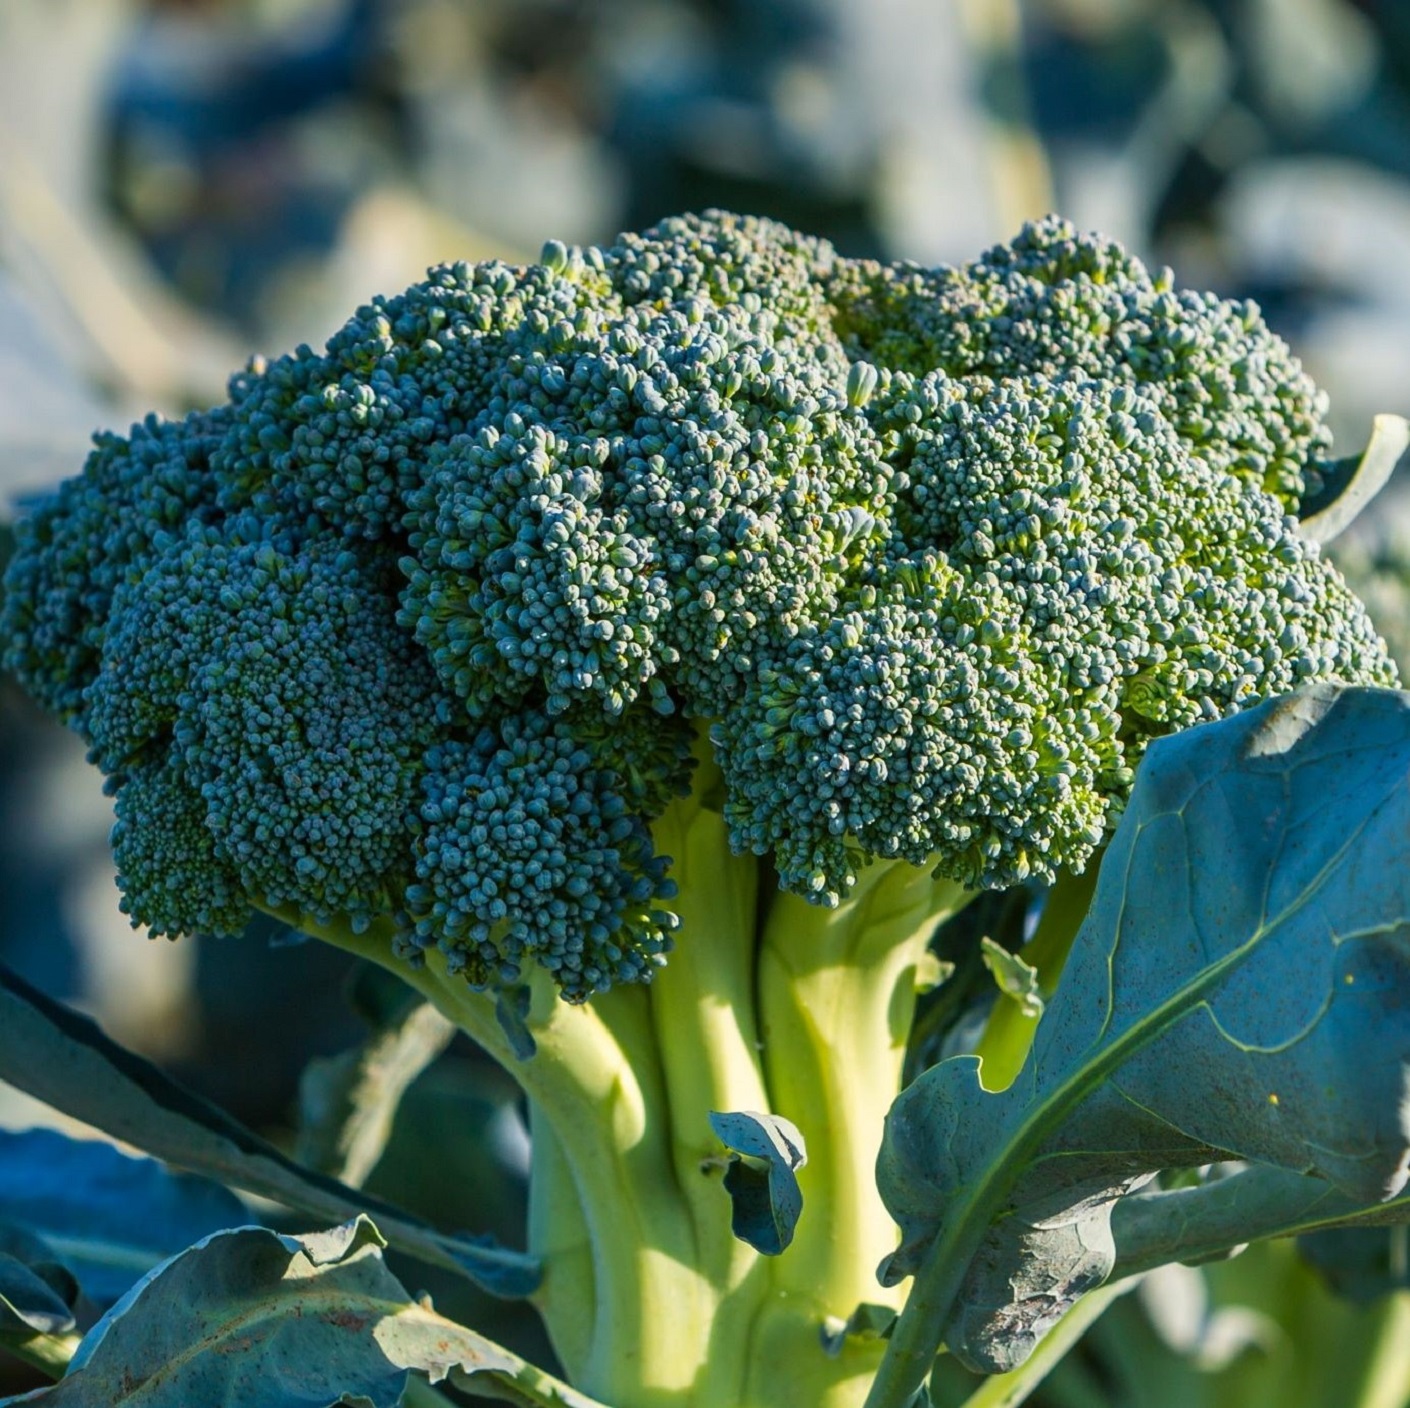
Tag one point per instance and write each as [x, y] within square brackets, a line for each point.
[1360, 1263]
[107, 1217]
[347, 1103]
[29, 1304]
[1348, 485]
[63, 1059]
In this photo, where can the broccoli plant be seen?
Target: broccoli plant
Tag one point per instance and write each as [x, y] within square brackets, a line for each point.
[643, 652]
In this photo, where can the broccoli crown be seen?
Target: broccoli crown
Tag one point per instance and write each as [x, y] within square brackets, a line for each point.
[425, 625]
[1375, 559]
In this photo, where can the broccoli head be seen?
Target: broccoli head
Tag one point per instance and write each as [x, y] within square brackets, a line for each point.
[433, 626]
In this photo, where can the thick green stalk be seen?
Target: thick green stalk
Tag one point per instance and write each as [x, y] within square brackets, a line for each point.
[702, 1003]
[650, 1300]
[558, 1232]
[596, 1081]
[836, 997]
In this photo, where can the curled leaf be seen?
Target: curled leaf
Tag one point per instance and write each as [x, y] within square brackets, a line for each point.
[1016, 979]
[762, 1177]
[262, 1319]
[1347, 486]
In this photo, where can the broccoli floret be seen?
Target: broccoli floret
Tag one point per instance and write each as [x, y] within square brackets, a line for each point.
[531, 850]
[173, 877]
[1062, 578]
[1055, 302]
[430, 621]
[100, 527]
[267, 669]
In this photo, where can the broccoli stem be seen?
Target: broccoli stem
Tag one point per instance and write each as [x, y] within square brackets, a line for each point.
[558, 1232]
[704, 1009]
[596, 1083]
[1008, 1035]
[649, 1299]
[837, 994]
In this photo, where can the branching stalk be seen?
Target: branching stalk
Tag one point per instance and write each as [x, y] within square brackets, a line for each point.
[596, 1082]
[837, 995]
[650, 1300]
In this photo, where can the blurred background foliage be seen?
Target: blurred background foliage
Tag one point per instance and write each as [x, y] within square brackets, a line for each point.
[186, 182]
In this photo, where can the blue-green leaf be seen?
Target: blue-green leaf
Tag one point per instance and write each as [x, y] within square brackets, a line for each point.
[107, 1217]
[1211, 1220]
[63, 1059]
[31, 1302]
[1360, 1263]
[762, 1178]
[511, 1011]
[259, 1319]
[1239, 988]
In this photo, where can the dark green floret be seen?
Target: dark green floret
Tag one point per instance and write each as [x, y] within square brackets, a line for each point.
[72, 555]
[271, 672]
[173, 877]
[423, 628]
[530, 850]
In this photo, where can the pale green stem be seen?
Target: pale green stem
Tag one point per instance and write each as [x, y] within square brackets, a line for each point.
[1011, 1389]
[837, 996]
[596, 1080]
[1008, 1035]
[703, 1006]
[558, 1232]
[650, 1300]
[1386, 1382]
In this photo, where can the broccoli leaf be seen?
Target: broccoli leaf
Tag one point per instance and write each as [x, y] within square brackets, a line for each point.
[1360, 1263]
[65, 1060]
[348, 1102]
[264, 1320]
[1238, 989]
[1212, 1220]
[106, 1217]
[1348, 485]
[36, 1293]
[762, 1178]
[1016, 979]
